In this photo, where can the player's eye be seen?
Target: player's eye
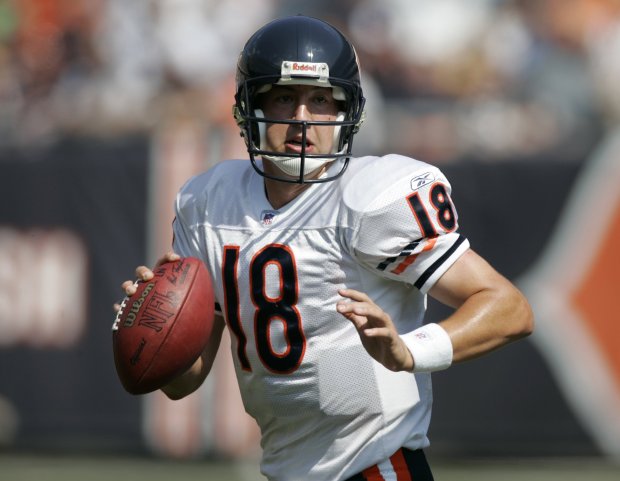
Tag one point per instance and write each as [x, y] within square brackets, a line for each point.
[284, 99]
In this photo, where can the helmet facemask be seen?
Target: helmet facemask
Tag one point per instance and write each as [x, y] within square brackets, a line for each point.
[293, 165]
[297, 167]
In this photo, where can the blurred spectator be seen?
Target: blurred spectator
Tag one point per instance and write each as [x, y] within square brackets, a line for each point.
[103, 67]
[50, 43]
[447, 80]
[10, 95]
[486, 79]
[603, 48]
[200, 39]
[121, 99]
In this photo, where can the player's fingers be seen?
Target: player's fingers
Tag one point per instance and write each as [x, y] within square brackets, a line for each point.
[360, 322]
[144, 273]
[169, 256]
[129, 287]
[359, 317]
[347, 309]
[354, 311]
[353, 307]
[366, 309]
[354, 295]
[378, 332]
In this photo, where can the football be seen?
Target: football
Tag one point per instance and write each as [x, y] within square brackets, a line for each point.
[161, 330]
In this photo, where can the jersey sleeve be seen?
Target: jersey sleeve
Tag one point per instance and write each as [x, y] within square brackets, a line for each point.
[185, 240]
[189, 213]
[403, 225]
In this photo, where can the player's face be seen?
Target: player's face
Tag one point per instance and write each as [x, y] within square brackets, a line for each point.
[300, 102]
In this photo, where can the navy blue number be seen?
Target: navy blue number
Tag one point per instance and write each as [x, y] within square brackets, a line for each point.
[267, 309]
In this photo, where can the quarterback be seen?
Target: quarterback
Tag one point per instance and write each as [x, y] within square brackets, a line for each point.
[321, 265]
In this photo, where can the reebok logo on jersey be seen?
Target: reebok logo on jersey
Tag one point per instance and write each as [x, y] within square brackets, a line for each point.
[267, 216]
[422, 180]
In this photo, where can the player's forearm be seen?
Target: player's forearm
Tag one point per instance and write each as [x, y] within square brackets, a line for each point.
[488, 320]
[187, 383]
[193, 378]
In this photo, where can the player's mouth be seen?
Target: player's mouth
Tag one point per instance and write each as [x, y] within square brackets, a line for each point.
[295, 145]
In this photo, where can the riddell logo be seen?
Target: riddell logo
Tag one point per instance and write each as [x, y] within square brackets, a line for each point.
[304, 67]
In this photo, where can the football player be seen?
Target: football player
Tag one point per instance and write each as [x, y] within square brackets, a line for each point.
[321, 265]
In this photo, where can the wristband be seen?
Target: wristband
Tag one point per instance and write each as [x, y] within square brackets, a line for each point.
[431, 348]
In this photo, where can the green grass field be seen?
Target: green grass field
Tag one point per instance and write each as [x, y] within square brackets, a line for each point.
[84, 468]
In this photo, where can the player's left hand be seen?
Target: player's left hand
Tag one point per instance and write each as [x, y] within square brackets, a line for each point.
[144, 273]
[376, 330]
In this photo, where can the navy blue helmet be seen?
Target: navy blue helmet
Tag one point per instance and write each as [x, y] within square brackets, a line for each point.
[298, 50]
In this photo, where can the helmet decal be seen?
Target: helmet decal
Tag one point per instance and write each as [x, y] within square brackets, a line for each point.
[291, 69]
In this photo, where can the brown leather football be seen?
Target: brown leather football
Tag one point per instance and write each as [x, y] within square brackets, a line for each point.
[163, 328]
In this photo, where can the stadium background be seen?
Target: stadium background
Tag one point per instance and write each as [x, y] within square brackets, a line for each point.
[106, 107]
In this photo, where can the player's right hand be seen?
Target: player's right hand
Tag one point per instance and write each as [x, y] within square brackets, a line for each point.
[144, 273]
[376, 330]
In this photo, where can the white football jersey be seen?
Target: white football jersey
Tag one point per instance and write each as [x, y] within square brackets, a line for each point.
[387, 227]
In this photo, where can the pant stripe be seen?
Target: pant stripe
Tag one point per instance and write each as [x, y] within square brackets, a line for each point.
[400, 466]
[403, 465]
[372, 474]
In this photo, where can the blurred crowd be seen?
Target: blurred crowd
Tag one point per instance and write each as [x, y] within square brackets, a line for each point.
[447, 80]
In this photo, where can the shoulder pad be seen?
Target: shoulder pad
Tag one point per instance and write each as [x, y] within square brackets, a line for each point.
[400, 217]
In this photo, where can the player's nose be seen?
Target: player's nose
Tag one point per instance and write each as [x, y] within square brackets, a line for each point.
[301, 111]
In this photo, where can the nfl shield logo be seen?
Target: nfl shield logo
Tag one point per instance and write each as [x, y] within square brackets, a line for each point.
[267, 216]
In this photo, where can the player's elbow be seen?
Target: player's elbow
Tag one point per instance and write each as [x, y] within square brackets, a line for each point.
[175, 392]
[187, 383]
[173, 396]
[521, 316]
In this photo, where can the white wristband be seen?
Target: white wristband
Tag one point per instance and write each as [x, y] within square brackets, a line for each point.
[431, 348]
